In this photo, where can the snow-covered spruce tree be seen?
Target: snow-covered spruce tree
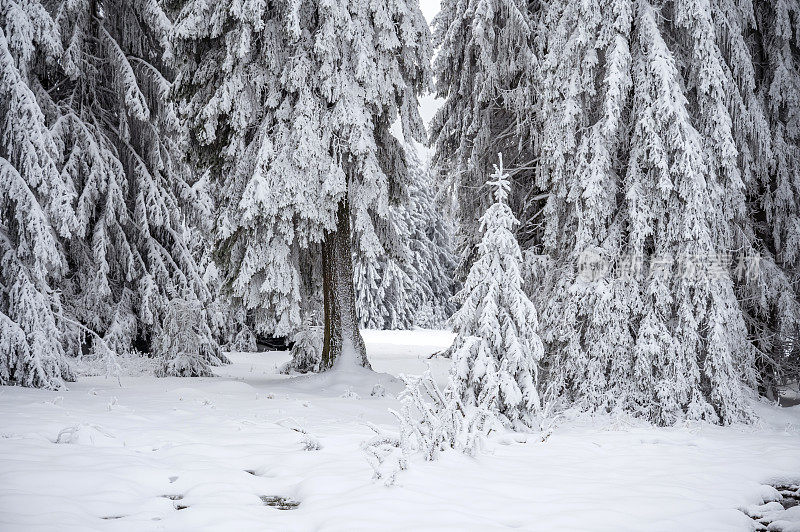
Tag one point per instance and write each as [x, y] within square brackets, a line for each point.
[289, 106]
[182, 342]
[228, 323]
[497, 350]
[778, 24]
[666, 145]
[119, 148]
[768, 291]
[725, 358]
[385, 284]
[410, 284]
[670, 342]
[742, 100]
[486, 72]
[431, 246]
[693, 332]
[585, 317]
[35, 206]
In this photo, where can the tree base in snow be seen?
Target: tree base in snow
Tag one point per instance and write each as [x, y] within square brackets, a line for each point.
[342, 342]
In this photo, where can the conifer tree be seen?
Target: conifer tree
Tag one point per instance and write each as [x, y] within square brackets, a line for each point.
[695, 374]
[497, 350]
[668, 147]
[289, 107]
[769, 291]
[385, 284]
[120, 148]
[91, 135]
[667, 341]
[410, 284]
[486, 71]
[431, 246]
[35, 206]
[182, 343]
[585, 319]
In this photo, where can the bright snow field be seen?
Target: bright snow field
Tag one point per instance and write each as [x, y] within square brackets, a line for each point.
[237, 452]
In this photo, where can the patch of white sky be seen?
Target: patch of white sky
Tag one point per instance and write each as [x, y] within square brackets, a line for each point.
[428, 103]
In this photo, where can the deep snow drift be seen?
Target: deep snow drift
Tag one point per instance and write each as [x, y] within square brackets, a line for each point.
[240, 451]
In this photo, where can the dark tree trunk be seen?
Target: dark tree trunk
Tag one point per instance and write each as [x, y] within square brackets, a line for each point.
[341, 323]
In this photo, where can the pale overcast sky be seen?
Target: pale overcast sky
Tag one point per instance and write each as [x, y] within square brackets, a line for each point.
[429, 8]
[428, 104]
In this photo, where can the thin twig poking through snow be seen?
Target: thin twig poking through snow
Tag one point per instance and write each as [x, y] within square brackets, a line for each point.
[433, 420]
[547, 418]
[385, 454]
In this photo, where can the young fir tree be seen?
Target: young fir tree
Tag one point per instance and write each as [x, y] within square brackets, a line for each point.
[35, 206]
[182, 342]
[497, 350]
[119, 147]
[486, 72]
[289, 106]
[307, 347]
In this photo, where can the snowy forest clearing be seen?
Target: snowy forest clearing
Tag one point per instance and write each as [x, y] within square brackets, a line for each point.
[214, 447]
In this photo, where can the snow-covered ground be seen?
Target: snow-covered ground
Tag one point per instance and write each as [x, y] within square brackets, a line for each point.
[199, 454]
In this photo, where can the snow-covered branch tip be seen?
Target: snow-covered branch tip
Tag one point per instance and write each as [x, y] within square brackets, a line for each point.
[103, 351]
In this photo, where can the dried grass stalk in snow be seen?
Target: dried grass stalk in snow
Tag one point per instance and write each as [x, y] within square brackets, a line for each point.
[431, 421]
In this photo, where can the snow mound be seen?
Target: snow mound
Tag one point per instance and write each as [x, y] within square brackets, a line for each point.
[348, 393]
[786, 521]
[87, 434]
[779, 513]
[345, 382]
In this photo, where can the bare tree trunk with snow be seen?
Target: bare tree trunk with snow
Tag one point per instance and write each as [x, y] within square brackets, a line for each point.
[342, 336]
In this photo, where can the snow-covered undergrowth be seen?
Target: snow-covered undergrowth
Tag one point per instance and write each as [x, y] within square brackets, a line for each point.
[238, 451]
